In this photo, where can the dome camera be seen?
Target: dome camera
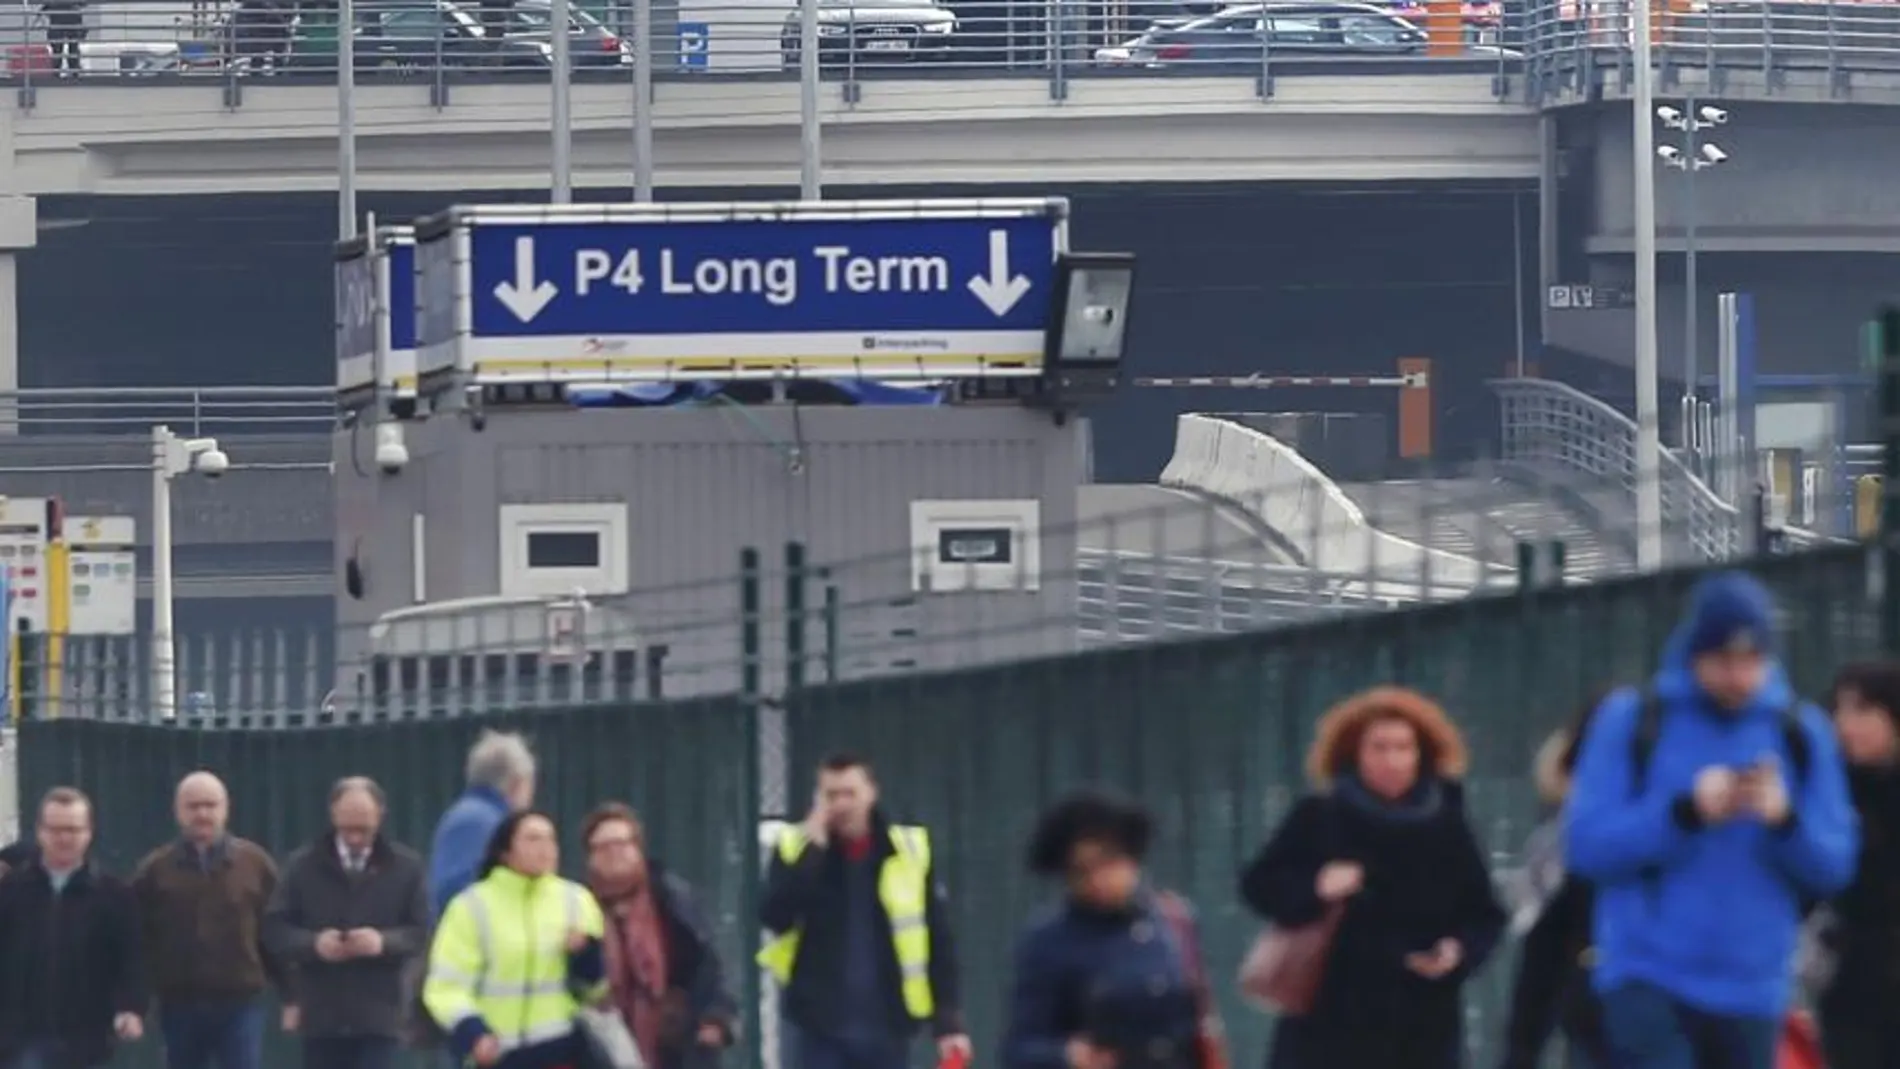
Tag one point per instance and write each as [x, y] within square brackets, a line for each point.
[212, 463]
[392, 455]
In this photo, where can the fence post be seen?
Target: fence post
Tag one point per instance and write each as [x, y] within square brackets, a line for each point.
[831, 627]
[795, 615]
[750, 681]
[1890, 478]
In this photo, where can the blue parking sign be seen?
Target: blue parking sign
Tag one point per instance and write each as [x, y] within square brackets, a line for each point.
[695, 45]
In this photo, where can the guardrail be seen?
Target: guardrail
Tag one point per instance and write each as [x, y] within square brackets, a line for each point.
[196, 411]
[1124, 596]
[1551, 423]
[1272, 481]
[1576, 44]
[438, 42]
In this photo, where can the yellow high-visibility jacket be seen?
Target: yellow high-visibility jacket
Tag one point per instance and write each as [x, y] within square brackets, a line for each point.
[499, 964]
[903, 886]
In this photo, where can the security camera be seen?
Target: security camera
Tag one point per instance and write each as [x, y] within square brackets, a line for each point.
[1713, 154]
[1669, 153]
[391, 454]
[212, 463]
[1712, 115]
[1669, 115]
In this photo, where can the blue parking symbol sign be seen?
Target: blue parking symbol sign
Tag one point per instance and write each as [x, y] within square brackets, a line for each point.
[695, 46]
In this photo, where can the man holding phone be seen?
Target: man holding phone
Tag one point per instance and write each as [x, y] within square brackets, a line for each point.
[1708, 809]
[863, 955]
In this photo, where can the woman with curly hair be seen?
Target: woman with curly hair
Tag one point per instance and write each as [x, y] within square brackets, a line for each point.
[1383, 838]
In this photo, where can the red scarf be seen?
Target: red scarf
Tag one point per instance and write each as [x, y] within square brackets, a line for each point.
[636, 966]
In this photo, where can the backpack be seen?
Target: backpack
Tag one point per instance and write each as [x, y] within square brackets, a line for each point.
[1649, 718]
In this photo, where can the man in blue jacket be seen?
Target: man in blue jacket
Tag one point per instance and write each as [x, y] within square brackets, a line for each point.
[500, 780]
[1707, 809]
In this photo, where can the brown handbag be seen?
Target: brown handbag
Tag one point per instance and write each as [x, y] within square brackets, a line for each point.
[1283, 970]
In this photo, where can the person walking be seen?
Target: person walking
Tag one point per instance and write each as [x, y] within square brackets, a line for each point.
[1858, 1026]
[517, 955]
[1551, 908]
[500, 778]
[72, 975]
[201, 905]
[349, 915]
[863, 953]
[1111, 977]
[1708, 808]
[662, 963]
[1384, 840]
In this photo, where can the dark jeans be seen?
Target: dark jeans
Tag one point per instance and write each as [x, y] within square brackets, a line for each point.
[229, 1036]
[1649, 1029]
[1859, 1043]
[38, 1054]
[832, 1052]
[349, 1052]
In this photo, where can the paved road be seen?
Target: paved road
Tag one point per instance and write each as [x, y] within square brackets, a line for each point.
[1484, 519]
[1158, 521]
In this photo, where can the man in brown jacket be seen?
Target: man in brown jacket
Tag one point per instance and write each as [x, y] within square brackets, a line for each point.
[201, 905]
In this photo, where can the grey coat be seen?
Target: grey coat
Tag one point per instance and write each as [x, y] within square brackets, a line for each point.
[361, 996]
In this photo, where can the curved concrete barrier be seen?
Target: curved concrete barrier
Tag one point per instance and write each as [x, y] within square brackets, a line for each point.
[1270, 479]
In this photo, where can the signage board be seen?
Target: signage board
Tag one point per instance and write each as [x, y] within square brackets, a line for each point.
[103, 580]
[376, 316]
[23, 541]
[629, 293]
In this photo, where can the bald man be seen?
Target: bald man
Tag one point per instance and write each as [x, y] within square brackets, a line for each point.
[201, 901]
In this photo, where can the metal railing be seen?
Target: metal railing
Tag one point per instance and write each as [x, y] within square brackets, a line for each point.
[1549, 425]
[439, 42]
[197, 411]
[1575, 45]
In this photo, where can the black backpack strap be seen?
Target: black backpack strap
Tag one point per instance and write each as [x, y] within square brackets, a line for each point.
[1800, 750]
[1649, 717]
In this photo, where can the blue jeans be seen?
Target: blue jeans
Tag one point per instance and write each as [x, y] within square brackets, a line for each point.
[1648, 1029]
[833, 1052]
[196, 1037]
[349, 1052]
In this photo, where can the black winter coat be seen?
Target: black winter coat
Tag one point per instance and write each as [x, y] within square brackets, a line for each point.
[1866, 936]
[1424, 881]
[1553, 981]
[69, 963]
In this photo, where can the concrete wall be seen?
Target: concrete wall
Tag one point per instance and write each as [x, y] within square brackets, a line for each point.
[704, 484]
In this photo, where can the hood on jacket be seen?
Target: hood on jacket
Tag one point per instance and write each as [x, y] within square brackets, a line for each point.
[1726, 609]
[1336, 740]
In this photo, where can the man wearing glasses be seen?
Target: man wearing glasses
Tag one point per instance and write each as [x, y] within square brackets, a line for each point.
[72, 977]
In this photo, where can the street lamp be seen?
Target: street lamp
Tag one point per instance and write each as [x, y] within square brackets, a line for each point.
[1690, 155]
[172, 456]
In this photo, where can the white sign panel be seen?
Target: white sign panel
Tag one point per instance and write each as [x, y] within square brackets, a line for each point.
[103, 575]
[23, 555]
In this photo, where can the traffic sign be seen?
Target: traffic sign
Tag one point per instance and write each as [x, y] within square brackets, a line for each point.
[24, 535]
[695, 45]
[607, 293]
[376, 307]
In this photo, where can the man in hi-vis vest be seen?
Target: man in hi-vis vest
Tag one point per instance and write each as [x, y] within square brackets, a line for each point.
[863, 953]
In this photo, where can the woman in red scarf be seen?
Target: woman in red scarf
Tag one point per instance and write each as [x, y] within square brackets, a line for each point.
[664, 970]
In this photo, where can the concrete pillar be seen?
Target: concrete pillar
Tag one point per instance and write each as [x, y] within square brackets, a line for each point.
[1547, 199]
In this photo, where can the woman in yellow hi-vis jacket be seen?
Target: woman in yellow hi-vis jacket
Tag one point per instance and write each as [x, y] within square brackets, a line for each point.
[517, 955]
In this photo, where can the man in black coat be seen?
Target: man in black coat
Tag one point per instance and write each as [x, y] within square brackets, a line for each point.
[348, 917]
[72, 978]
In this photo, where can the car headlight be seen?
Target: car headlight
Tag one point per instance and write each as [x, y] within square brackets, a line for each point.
[939, 27]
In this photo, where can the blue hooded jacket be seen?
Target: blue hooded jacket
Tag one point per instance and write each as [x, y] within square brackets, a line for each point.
[1708, 914]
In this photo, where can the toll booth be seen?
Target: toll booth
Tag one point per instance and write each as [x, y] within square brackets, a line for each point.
[716, 424]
